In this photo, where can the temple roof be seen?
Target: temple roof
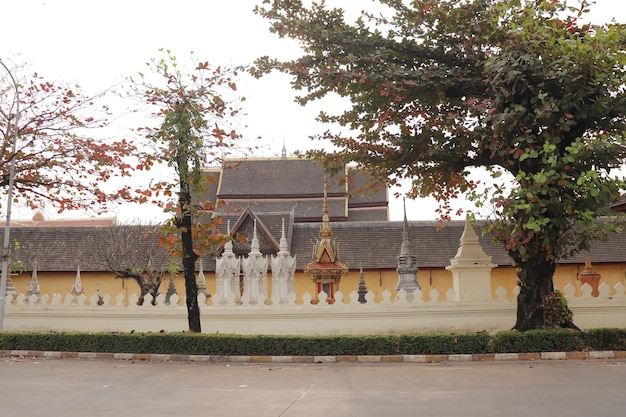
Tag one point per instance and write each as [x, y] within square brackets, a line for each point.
[294, 184]
[375, 245]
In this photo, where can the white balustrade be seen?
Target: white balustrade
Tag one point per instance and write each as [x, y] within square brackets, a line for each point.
[393, 312]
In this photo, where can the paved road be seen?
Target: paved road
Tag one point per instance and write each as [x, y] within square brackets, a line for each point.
[71, 388]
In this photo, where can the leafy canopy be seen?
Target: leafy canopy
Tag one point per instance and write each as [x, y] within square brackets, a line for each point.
[196, 111]
[440, 86]
[58, 160]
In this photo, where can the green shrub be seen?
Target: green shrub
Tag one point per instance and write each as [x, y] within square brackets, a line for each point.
[561, 340]
[556, 313]
[443, 344]
[606, 339]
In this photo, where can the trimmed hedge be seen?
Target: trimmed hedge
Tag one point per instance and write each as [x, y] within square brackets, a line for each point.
[540, 341]
[267, 345]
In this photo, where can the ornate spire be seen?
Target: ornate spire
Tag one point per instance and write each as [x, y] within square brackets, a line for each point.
[77, 289]
[254, 245]
[470, 252]
[471, 268]
[33, 285]
[171, 288]
[202, 280]
[326, 269]
[255, 268]
[405, 248]
[407, 263]
[284, 151]
[283, 270]
[228, 246]
[325, 230]
[283, 240]
[362, 288]
[227, 269]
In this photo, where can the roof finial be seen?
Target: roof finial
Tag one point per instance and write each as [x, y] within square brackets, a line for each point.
[283, 240]
[325, 231]
[405, 247]
[254, 247]
[325, 204]
[284, 152]
[282, 232]
[228, 246]
[404, 207]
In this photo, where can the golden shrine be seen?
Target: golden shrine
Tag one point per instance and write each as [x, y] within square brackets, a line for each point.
[326, 270]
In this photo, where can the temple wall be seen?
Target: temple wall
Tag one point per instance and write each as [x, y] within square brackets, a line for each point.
[394, 314]
[376, 281]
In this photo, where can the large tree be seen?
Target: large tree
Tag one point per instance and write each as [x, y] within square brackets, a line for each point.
[518, 87]
[195, 116]
[62, 159]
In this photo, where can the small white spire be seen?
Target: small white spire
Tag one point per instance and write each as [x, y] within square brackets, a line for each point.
[405, 248]
[33, 285]
[77, 289]
[325, 204]
[470, 252]
[254, 246]
[283, 240]
[228, 246]
[201, 283]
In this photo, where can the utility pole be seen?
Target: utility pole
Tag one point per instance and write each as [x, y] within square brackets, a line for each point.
[7, 226]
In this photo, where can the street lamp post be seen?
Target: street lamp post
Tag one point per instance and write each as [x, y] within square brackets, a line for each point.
[7, 226]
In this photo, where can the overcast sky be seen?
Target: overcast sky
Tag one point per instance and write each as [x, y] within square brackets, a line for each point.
[98, 43]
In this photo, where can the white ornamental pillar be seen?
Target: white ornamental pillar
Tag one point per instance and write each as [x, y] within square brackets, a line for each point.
[471, 269]
[283, 271]
[407, 264]
[254, 270]
[227, 269]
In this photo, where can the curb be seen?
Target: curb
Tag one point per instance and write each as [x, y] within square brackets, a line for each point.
[153, 357]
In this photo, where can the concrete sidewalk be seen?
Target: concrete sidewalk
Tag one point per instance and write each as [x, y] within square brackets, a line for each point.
[38, 387]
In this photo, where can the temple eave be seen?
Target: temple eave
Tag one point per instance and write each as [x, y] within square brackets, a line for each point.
[326, 269]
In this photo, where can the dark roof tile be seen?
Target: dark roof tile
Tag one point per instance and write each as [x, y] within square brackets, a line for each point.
[374, 245]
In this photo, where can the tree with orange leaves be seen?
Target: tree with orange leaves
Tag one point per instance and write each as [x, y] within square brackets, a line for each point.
[58, 160]
[195, 116]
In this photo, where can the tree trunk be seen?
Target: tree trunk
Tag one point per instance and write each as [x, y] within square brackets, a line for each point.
[189, 265]
[535, 281]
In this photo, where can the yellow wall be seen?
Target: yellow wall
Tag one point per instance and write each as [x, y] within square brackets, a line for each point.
[62, 283]
[564, 275]
[375, 281]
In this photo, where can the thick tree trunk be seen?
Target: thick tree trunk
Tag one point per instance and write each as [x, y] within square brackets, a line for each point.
[535, 281]
[189, 266]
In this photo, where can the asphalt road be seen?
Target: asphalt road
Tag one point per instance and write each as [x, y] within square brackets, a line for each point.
[50, 387]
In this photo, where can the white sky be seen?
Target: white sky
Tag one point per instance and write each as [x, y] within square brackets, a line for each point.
[97, 43]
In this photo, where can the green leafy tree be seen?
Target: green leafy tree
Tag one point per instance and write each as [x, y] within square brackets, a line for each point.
[521, 88]
[195, 115]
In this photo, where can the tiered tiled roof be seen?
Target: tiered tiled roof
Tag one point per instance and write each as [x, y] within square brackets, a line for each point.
[375, 245]
[293, 184]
